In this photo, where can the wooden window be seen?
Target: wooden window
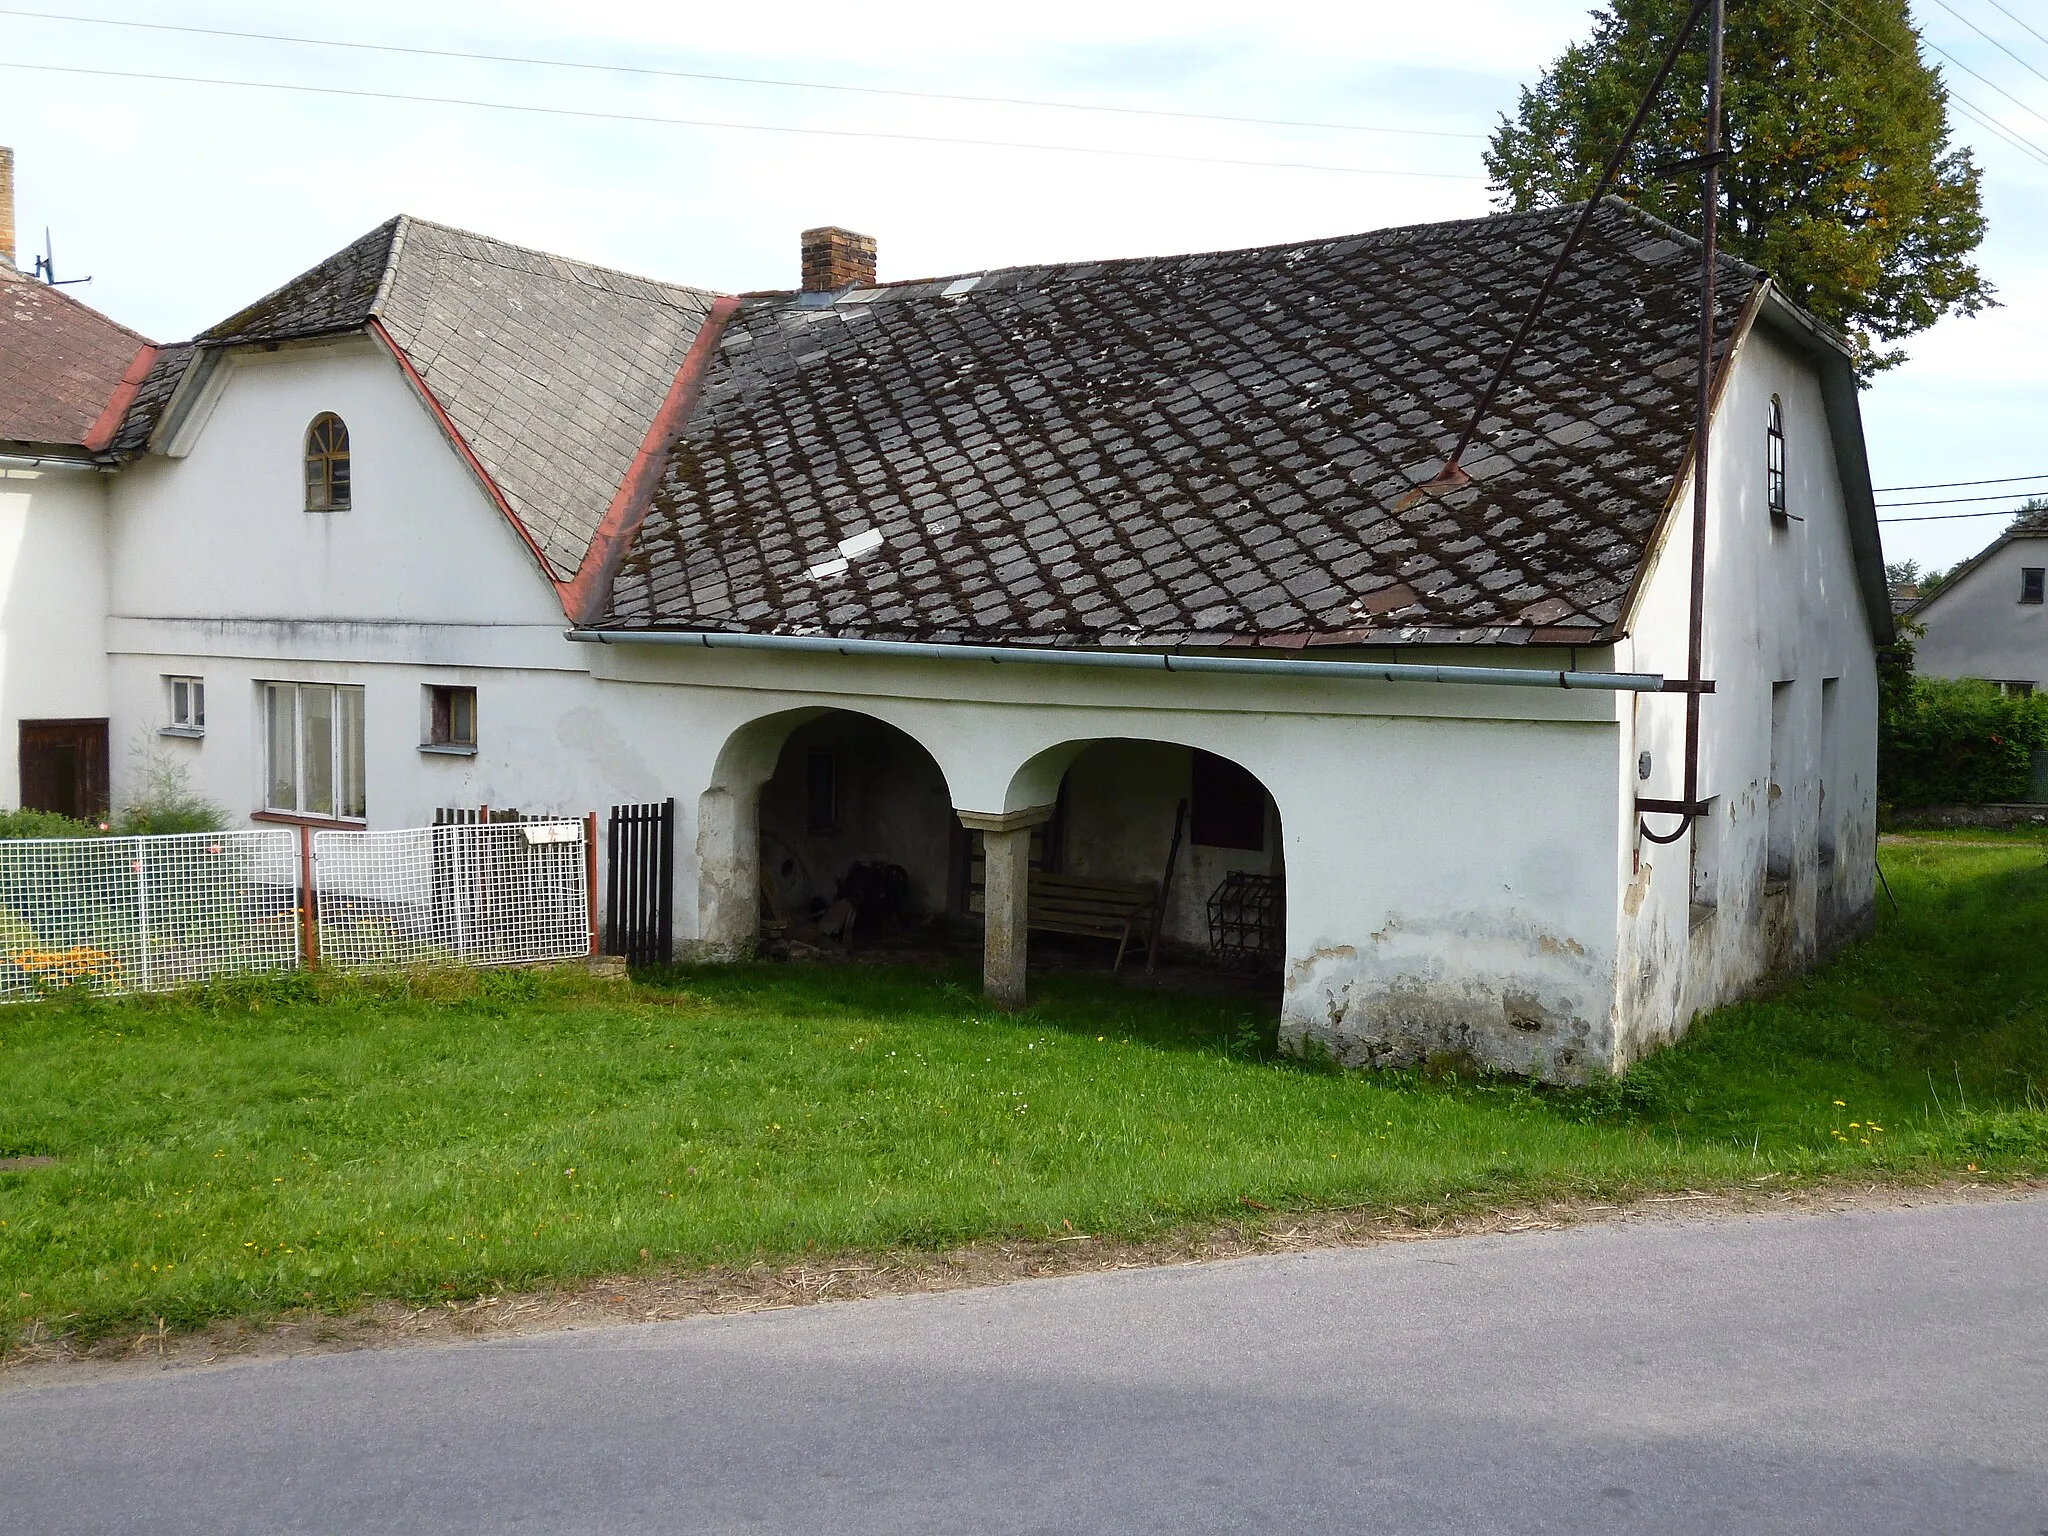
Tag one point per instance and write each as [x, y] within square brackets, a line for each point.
[313, 750]
[821, 792]
[451, 718]
[327, 469]
[2033, 583]
[186, 698]
[1774, 460]
[1229, 805]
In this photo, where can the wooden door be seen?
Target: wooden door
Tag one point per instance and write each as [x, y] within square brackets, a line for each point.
[64, 767]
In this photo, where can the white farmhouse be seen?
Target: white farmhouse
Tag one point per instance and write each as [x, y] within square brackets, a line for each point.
[993, 579]
[1989, 620]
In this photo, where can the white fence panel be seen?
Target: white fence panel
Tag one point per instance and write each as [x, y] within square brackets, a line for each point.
[501, 893]
[136, 914]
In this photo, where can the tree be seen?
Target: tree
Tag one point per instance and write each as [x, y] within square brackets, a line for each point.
[1843, 184]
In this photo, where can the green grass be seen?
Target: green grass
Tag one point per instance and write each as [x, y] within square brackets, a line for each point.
[312, 1142]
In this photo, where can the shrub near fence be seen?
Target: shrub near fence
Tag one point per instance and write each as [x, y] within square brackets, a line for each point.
[1955, 742]
[131, 914]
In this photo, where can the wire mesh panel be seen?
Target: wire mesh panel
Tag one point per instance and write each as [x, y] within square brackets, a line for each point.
[497, 893]
[146, 913]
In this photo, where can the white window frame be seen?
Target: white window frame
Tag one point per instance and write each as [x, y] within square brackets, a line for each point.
[295, 715]
[185, 706]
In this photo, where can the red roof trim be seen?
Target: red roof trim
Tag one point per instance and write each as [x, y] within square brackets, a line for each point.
[584, 596]
[462, 447]
[110, 419]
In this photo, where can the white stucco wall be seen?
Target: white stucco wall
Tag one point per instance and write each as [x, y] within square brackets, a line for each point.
[1978, 627]
[1783, 607]
[53, 603]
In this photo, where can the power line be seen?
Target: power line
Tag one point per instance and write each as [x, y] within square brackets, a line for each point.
[1951, 485]
[1994, 42]
[1948, 501]
[684, 74]
[1950, 517]
[2002, 10]
[1971, 109]
[692, 122]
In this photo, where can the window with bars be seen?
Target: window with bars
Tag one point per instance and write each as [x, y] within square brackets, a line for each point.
[327, 466]
[313, 750]
[1774, 460]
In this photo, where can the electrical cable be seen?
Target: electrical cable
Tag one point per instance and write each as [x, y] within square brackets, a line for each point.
[2026, 25]
[1994, 42]
[686, 74]
[1951, 485]
[1953, 517]
[1946, 501]
[691, 122]
[2010, 135]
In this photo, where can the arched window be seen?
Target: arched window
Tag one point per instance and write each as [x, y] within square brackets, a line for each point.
[327, 464]
[1774, 460]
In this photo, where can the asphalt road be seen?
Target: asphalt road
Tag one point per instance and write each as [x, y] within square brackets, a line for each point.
[1859, 1373]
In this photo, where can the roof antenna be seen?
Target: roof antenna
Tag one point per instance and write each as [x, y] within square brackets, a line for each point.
[46, 266]
[1451, 477]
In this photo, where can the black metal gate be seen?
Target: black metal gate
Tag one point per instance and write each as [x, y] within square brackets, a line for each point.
[640, 883]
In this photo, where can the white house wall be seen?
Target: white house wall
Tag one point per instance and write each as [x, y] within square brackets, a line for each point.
[1449, 851]
[222, 532]
[53, 603]
[1783, 605]
[1978, 627]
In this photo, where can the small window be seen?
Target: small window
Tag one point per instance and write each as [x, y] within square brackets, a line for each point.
[2033, 578]
[327, 477]
[451, 719]
[313, 749]
[186, 697]
[1228, 808]
[1774, 460]
[2015, 689]
[821, 792]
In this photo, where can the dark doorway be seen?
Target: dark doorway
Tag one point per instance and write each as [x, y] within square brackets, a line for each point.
[64, 767]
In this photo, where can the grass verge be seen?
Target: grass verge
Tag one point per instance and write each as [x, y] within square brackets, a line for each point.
[313, 1142]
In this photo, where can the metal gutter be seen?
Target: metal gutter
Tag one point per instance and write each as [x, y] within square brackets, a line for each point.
[1146, 661]
[48, 461]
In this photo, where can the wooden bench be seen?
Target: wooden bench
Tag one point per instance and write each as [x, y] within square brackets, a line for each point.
[1096, 909]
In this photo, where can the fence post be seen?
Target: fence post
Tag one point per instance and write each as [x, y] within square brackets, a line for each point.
[665, 898]
[590, 875]
[309, 929]
[142, 906]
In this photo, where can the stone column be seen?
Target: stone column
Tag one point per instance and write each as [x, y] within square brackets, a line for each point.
[1006, 892]
[728, 874]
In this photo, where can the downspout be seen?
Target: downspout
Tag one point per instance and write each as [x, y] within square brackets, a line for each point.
[1146, 661]
[1690, 807]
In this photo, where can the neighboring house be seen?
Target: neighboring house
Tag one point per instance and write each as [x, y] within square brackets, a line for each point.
[1989, 620]
[858, 573]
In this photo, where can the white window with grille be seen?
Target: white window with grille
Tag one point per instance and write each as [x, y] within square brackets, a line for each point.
[313, 750]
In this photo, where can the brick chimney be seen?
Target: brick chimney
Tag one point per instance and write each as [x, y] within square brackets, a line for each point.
[7, 206]
[837, 258]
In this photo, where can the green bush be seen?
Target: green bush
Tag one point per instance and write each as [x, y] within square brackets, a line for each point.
[25, 823]
[1954, 742]
[164, 800]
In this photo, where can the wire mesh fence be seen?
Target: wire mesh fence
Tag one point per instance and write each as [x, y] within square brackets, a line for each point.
[498, 893]
[130, 914]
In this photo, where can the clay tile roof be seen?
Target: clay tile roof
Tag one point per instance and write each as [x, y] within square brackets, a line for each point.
[1192, 450]
[61, 363]
[552, 370]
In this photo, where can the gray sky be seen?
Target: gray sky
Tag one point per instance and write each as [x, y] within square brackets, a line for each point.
[186, 201]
